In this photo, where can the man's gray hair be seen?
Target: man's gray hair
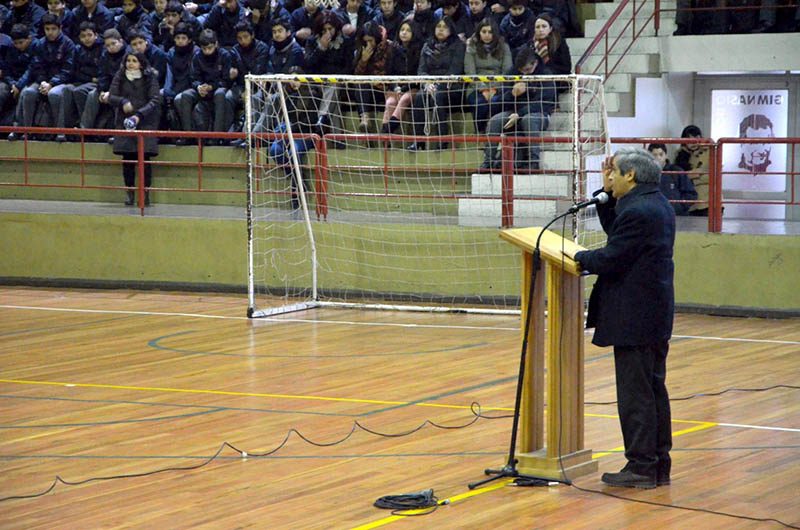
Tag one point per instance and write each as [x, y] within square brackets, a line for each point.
[645, 167]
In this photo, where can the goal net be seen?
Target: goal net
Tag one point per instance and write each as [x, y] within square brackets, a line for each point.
[389, 192]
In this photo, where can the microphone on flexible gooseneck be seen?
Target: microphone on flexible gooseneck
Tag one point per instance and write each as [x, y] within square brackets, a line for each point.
[600, 198]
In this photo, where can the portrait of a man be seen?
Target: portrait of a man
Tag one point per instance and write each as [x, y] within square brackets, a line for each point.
[755, 157]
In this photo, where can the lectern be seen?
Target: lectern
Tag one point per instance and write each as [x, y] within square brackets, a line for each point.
[559, 351]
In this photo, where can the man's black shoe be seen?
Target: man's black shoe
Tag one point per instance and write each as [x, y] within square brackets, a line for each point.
[629, 479]
[663, 479]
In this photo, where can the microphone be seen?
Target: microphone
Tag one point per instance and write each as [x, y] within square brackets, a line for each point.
[600, 198]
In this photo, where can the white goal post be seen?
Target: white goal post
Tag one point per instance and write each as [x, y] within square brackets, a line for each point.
[388, 192]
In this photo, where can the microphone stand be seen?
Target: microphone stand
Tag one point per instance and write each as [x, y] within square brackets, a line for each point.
[510, 469]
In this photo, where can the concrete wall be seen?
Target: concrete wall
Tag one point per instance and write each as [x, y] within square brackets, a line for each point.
[735, 272]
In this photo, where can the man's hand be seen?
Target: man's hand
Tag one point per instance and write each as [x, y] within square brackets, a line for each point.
[518, 89]
[127, 108]
[234, 73]
[203, 89]
[191, 7]
[44, 88]
[104, 97]
[14, 91]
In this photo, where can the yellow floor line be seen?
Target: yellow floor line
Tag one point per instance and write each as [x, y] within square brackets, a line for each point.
[242, 394]
[386, 520]
[451, 500]
[703, 425]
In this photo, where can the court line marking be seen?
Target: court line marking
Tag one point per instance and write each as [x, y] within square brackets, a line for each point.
[349, 400]
[242, 394]
[702, 427]
[352, 323]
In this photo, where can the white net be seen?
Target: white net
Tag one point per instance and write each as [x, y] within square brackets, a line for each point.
[389, 191]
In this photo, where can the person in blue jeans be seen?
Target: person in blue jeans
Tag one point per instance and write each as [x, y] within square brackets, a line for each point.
[301, 105]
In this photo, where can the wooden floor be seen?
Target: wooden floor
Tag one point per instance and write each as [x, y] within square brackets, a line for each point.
[96, 384]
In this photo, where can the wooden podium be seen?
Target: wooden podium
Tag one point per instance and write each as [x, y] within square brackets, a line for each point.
[560, 351]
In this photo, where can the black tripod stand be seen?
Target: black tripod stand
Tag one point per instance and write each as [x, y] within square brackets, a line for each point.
[510, 469]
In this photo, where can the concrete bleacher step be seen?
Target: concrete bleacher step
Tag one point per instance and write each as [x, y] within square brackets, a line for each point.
[566, 102]
[563, 121]
[577, 47]
[540, 185]
[488, 212]
[593, 27]
[632, 63]
[604, 10]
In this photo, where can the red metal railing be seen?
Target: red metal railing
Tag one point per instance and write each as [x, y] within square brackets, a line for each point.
[324, 171]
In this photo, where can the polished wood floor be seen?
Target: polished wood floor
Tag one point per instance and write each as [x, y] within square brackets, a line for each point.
[97, 384]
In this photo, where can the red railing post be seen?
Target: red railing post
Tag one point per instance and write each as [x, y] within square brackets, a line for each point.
[507, 186]
[657, 13]
[715, 188]
[322, 178]
[140, 171]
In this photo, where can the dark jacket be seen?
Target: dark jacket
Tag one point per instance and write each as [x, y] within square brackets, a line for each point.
[102, 18]
[518, 30]
[179, 70]
[163, 37]
[337, 59]
[404, 62]
[676, 186]
[15, 66]
[143, 94]
[158, 61]
[392, 23]
[68, 25]
[30, 15]
[86, 65]
[138, 20]
[223, 23]
[284, 55]
[212, 70]
[52, 61]
[632, 302]
[539, 97]
[109, 65]
[442, 58]
[252, 60]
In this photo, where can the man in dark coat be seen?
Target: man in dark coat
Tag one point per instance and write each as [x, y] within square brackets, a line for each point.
[632, 307]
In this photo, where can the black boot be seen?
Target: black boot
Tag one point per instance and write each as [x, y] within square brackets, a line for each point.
[147, 198]
[129, 198]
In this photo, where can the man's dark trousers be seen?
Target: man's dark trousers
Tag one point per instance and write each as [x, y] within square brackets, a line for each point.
[643, 405]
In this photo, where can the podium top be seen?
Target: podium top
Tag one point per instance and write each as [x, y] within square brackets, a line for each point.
[550, 247]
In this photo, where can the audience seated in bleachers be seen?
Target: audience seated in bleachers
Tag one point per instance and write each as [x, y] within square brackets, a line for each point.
[61, 79]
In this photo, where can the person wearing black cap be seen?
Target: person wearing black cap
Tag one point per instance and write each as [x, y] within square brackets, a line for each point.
[632, 307]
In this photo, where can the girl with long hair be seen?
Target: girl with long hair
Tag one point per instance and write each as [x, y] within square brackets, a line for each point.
[372, 57]
[487, 54]
[405, 61]
[135, 95]
[443, 54]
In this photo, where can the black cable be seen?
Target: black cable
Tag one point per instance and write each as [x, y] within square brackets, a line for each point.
[709, 394]
[689, 508]
[475, 409]
[409, 501]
